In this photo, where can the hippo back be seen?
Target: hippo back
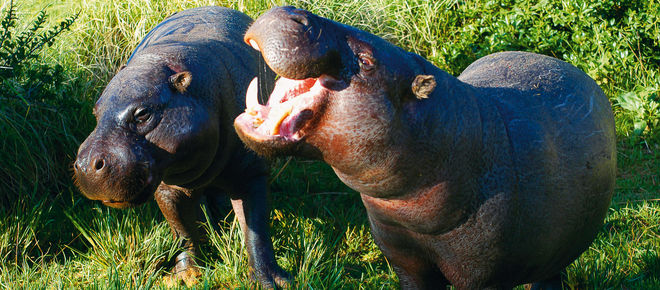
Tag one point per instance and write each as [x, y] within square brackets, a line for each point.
[212, 22]
[209, 39]
[559, 154]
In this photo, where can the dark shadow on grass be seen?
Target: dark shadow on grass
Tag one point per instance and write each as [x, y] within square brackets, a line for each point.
[651, 264]
[310, 190]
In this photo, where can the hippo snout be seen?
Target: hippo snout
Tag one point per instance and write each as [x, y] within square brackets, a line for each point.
[119, 176]
[91, 167]
[295, 43]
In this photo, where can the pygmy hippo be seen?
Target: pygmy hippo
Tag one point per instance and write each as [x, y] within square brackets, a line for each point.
[499, 177]
[164, 129]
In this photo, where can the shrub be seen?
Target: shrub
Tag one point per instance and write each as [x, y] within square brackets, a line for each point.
[38, 121]
[35, 111]
[641, 109]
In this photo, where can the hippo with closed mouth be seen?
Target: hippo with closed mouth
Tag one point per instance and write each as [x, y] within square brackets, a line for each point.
[499, 177]
[164, 130]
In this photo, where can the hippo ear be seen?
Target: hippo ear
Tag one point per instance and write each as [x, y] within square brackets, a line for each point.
[180, 81]
[423, 86]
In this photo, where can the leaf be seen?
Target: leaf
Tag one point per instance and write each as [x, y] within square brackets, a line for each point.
[632, 102]
[639, 127]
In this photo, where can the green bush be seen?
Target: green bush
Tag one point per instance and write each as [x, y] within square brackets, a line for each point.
[38, 124]
[22, 76]
[642, 110]
[34, 108]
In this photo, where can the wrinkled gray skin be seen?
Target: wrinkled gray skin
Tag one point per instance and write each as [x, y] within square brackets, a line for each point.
[499, 177]
[164, 129]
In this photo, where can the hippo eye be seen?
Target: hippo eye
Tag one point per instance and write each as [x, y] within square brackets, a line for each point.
[141, 115]
[367, 62]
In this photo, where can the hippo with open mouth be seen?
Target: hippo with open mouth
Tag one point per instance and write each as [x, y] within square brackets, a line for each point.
[499, 177]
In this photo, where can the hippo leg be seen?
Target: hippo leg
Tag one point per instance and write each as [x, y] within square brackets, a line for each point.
[409, 264]
[251, 208]
[413, 274]
[175, 204]
[552, 283]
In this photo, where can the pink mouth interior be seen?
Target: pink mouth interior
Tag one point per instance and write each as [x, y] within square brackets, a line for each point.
[289, 107]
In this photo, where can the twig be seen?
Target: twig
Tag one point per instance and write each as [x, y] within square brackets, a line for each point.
[288, 160]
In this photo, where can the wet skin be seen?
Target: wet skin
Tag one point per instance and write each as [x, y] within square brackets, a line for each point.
[496, 178]
[164, 130]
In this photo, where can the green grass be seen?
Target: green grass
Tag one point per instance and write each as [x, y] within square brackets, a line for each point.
[51, 237]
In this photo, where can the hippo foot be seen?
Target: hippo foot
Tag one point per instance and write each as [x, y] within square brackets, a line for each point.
[185, 271]
[271, 277]
[187, 276]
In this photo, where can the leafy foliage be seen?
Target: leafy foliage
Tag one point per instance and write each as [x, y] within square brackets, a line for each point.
[32, 99]
[37, 119]
[642, 108]
[21, 74]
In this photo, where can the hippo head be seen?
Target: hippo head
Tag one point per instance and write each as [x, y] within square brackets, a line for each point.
[150, 128]
[338, 85]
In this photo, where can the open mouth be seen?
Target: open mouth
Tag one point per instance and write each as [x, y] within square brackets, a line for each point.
[290, 109]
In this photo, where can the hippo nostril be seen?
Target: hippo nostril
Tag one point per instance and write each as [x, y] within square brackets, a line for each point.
[98, 165]
[301, 19]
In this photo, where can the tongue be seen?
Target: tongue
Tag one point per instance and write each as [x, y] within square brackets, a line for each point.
[287, 92]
